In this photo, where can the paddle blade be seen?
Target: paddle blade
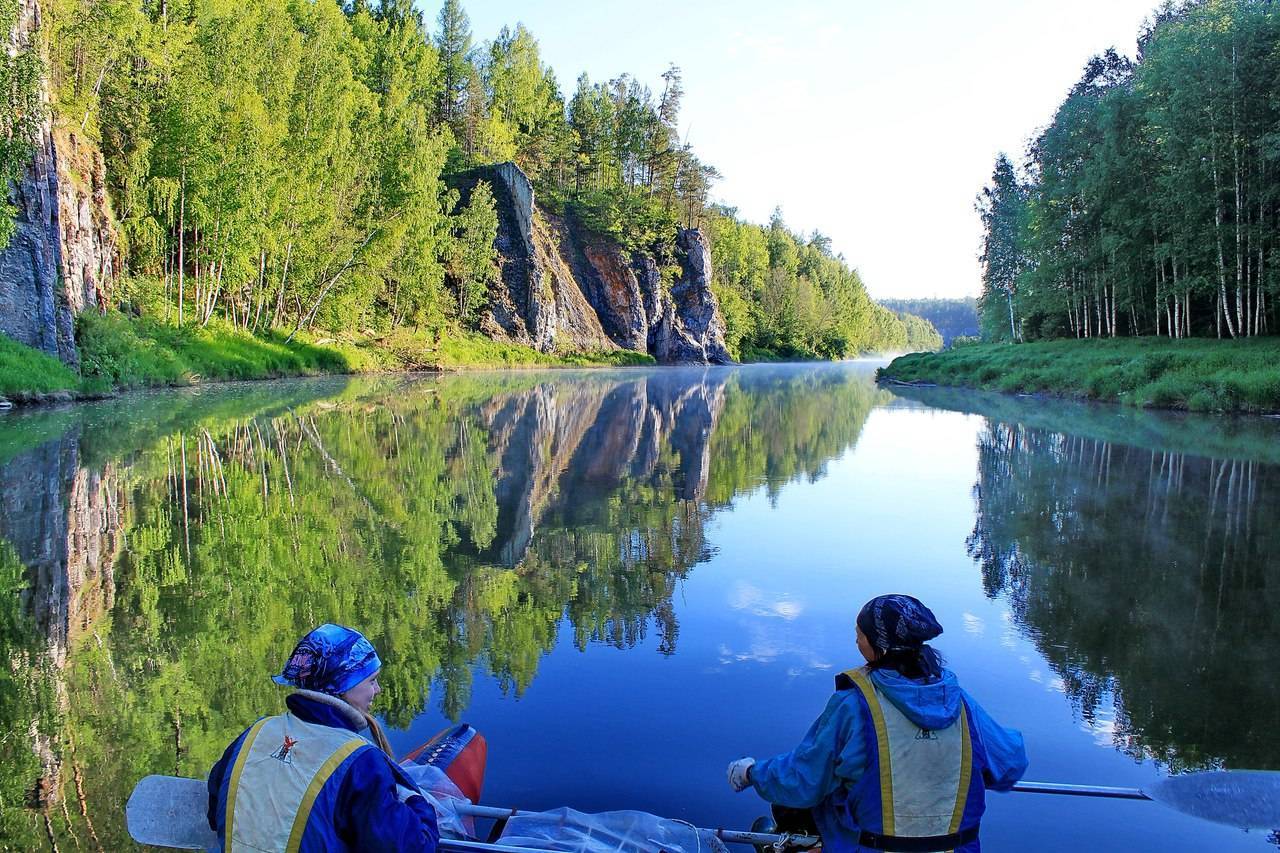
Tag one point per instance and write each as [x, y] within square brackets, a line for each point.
[1248, 799]
[168, 811]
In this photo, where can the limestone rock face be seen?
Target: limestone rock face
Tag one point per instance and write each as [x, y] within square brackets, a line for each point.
[610, 283]
[691, 329]
[90, 247]
[538, 301]
[63, 256]
[565, 288]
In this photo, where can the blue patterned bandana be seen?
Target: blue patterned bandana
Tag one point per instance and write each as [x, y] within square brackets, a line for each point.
[331, 659]
[897, 623]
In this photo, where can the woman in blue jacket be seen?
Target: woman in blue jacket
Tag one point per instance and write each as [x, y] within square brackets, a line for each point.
[307, 780]
[901, 756]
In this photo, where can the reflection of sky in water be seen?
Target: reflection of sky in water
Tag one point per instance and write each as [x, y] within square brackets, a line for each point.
[766, 623]
[1087, 634]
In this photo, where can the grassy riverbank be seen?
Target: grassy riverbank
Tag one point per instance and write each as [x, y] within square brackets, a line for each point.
[1192, 374]
[121, 352]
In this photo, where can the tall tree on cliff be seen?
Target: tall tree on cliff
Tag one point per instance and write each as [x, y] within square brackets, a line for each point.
[524, 97]
[453, 44]
[1001, 205]
[473, 261]
[20, 115]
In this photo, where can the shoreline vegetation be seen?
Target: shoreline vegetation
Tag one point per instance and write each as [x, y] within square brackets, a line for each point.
[296, 178]
[122, 352]
[1199, 375]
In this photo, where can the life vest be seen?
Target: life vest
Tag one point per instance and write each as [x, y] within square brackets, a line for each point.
[921, 790]
[279, 771]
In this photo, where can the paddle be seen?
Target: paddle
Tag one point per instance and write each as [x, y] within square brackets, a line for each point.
[1247, 799]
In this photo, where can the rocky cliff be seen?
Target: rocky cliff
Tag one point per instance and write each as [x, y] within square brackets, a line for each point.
[564, 288]
[64, 254]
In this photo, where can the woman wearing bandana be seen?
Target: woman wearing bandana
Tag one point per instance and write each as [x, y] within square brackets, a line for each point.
[308, 779]
[901, 757]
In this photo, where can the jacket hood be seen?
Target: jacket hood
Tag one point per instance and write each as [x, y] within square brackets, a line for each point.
[932, 704]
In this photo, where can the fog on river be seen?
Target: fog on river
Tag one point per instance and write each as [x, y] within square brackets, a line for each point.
[626, 579]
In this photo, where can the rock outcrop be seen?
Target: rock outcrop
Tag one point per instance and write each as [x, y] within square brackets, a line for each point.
[63, 256]
[691, 328]
[563, 287]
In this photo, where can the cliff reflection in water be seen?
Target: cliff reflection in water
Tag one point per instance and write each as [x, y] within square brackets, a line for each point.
[159, 555]
[1148, 578]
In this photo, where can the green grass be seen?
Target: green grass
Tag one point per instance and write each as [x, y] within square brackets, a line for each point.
[122, 352]
[1196, 375]
[454, 350]
[26, 372]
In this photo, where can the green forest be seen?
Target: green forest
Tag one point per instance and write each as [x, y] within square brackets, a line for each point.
[276, 167]
[1149, 204]
[953, 318]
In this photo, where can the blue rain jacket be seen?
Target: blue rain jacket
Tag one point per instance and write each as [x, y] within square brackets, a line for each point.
[823, 771]
[357, 809]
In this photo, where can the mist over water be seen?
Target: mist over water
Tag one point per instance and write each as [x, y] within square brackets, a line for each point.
[626, 579]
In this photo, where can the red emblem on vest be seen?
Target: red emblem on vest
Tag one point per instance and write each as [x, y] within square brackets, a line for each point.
[282, 754]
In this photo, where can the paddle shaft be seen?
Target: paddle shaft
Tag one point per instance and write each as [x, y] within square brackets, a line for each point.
[1080, 790]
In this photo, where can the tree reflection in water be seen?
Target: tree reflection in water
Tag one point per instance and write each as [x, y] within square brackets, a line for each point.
[160, 555]
[1148, 578]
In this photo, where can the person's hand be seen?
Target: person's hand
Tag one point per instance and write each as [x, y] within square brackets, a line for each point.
[740, 773]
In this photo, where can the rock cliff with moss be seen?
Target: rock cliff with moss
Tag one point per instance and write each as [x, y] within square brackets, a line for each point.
[565, 288]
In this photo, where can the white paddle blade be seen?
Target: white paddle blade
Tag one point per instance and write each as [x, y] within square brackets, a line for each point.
[1248, 799]
[169, 811]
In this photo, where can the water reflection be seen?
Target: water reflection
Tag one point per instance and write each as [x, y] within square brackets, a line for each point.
[1148, 577]
[159, 554]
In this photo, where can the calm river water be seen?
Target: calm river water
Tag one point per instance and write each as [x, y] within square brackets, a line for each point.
[627, 579]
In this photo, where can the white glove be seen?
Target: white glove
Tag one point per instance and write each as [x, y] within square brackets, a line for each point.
[404, 794]
[740, 773]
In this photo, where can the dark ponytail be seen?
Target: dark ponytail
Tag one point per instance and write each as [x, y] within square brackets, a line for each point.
[919, 662]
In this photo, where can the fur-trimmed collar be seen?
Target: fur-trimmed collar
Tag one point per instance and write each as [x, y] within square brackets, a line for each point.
[346, 709]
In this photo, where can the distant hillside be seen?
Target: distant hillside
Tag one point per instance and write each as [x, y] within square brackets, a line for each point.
[952, 318]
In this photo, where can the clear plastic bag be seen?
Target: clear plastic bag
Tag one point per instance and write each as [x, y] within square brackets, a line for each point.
[443, 796]
[608, 832]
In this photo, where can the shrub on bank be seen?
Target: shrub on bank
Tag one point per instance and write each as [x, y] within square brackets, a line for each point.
[1196, 374]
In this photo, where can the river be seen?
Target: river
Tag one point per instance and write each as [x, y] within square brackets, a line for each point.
[626, 579]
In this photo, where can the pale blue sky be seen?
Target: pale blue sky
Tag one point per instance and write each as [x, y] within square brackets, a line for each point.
[874, 122]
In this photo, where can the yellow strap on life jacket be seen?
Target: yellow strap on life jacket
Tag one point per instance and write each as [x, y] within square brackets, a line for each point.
[966, 768]
[313, 791]
[860, 680]
[236, 770]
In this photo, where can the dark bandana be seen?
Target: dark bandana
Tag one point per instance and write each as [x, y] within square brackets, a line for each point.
[897, 623]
